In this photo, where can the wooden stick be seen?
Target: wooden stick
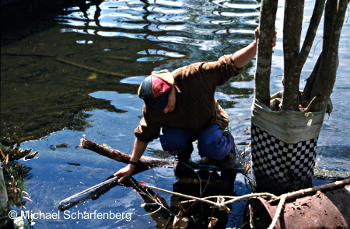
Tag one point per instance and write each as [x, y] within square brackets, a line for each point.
[278, 211]
[149, 197]
[88, 68]
[66, 62]
[27, 54]
[145, 162]
[90, 193]
[303, 192]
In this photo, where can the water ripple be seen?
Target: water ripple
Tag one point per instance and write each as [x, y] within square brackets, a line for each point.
[191, 22]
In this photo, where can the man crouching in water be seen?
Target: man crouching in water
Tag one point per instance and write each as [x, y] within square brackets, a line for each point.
[182, 105]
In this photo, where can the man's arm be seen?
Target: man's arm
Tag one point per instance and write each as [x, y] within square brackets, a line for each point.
[139, 149]
[243, 56]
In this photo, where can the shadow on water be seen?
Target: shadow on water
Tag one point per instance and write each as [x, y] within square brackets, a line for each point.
[40, 94]
[72, 67]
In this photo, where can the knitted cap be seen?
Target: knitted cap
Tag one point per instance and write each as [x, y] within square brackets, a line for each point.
[155, 90]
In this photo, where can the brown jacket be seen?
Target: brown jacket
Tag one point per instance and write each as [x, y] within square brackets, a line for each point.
[196, 106]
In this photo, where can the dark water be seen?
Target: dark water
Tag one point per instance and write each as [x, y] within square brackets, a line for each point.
[73, 71]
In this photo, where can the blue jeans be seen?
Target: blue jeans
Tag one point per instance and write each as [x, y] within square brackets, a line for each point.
[213, 143]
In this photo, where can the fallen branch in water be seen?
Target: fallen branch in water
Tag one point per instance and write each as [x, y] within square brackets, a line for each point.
[144, 163]
[88, 68]
[66, 62]
[91, 193]
[94, 192]
[153, 203]
[26, 54]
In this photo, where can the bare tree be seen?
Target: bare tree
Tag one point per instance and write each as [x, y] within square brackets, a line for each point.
[282, 161]
[321, 81]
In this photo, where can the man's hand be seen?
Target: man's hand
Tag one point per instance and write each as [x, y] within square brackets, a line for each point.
[139, 148]
[125, 172]
[273, 40]
[243, 56]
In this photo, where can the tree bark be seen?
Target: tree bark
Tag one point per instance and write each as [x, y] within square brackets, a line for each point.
[309, 84]
[293, 18]
[264, 54]
[305, 50]
[310, 34]
[326, 75]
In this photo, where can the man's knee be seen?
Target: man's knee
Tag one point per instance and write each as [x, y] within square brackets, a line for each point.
[175, 140]
[214, 143]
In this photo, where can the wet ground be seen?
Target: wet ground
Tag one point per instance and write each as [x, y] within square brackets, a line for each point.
[72, 69]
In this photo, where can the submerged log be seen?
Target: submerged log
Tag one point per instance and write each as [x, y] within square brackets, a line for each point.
[153, 203]
[93, 192]
[144, 163]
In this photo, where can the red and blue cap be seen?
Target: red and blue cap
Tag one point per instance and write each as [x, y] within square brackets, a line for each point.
[155, 90]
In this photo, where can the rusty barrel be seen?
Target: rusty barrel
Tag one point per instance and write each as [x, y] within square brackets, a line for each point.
[327, 209]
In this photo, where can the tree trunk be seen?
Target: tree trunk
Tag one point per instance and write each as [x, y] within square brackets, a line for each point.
[305, 50]
[293, 18]
[326, 74]
[263, 65]
[276, 148]
[306, 99]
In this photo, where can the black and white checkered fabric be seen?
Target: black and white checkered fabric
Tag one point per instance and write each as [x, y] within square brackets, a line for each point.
[282, 161]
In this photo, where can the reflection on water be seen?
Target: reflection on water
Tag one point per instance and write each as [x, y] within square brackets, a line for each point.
[76, 73]
[45, 87]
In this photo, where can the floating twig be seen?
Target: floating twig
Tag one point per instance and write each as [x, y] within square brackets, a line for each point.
[66, 62]
[88, 68]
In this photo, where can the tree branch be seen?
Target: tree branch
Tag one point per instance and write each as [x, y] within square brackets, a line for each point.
[310, 82]
[144, 163]
[310, 35]
[303, 192]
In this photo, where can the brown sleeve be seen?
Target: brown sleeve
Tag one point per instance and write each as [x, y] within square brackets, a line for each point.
[222, 118]
[221, 70]
[147, 130]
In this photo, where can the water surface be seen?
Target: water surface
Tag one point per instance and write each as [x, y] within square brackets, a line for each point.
[78, 76]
